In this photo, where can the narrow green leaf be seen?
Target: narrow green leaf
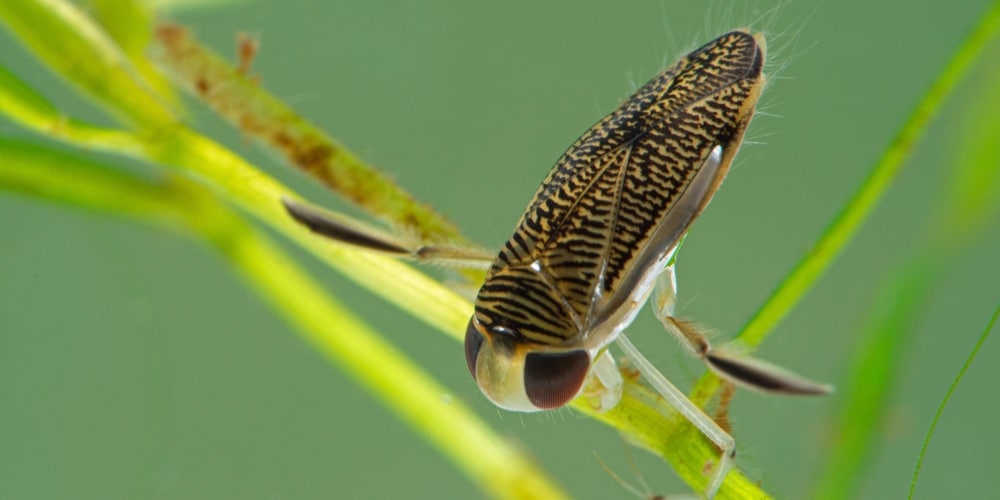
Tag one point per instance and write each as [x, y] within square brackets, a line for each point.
[238, 182]
[875, 367]
[47, 173]
[130, 24]
[962, 214]
[973, 198]
[60, 34]
[333, 330]
[859, 208]
[650, 422]
[242, 101]
[641, 414]
[947, 397]
[25, 106]
[850, 219]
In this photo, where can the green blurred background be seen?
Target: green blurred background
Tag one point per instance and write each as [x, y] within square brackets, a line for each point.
[134, 364]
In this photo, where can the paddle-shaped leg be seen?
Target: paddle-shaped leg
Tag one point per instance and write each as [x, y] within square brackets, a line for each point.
[343, 229]
[742, 370]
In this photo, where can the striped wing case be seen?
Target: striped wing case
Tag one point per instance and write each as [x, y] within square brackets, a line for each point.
[609, 209]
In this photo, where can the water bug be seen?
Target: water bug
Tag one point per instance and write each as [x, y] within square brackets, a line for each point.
[599, 235]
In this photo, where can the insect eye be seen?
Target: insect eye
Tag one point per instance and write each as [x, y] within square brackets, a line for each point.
[551, 379]
[473, 341]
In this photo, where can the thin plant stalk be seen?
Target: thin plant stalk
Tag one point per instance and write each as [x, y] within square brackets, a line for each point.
[163, 139]
[171, 143]
[323, 322]
[947, 397]
[859, 208]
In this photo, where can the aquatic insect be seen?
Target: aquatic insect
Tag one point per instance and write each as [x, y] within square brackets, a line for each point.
[596, 239]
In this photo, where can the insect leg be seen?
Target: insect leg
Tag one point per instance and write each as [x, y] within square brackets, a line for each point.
[604, 383]
[647, 495]
[345, 230]
[690, 411]
[743, 370]
[665, 293]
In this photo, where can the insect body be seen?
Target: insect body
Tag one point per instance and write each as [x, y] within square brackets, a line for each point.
[604, 224]
[600, 234]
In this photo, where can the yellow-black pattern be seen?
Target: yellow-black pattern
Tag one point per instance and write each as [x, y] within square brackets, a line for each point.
[580, 246]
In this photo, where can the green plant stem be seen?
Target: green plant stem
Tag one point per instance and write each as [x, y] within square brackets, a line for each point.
[390, 279]
[40, 172]
[947, 397]
[859, 208]
[109, 79]
[848, 222]
[129, 24]
[868, 390]
[26, 107]
[76, 48]
[235, 179]
[962, 214]
[243, 102]
[422, 402]
[651, 423]
[327, 325]
[164, 140]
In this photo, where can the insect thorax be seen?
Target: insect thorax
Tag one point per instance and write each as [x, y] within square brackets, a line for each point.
[521, 303]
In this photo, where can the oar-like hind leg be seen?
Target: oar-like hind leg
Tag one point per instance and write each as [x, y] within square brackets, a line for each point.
[742, 370]
[343, 229]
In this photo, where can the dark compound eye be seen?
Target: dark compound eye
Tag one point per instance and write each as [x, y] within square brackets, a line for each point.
[473, 341]
[551, 379]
